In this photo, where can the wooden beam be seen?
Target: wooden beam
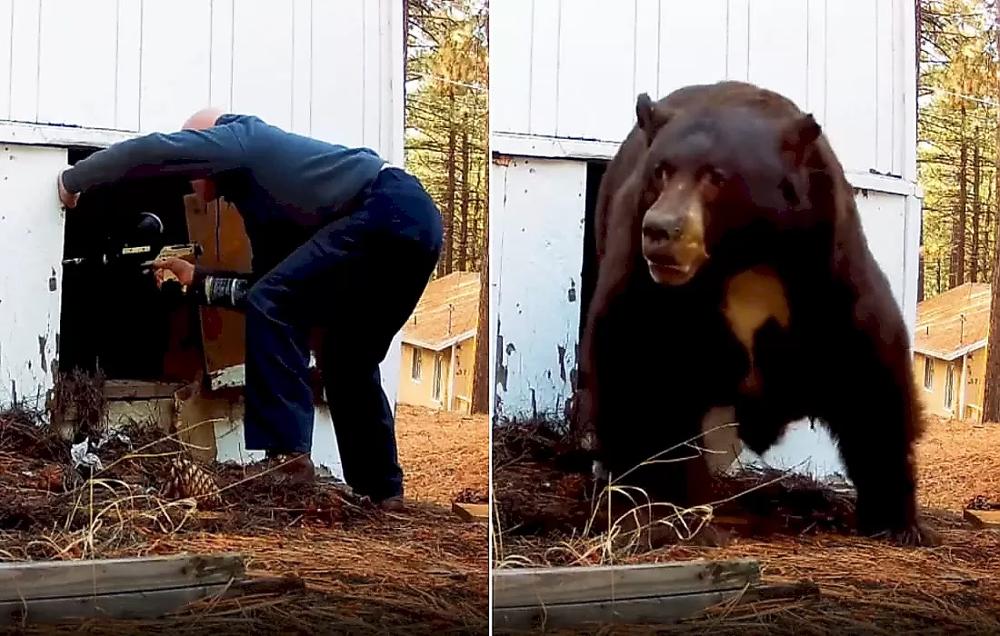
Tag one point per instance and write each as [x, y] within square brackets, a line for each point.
[652, 610]
[62, 579]
[142, 604]
[983, 518]
[550, 586]
[471, 512]
[138, 390]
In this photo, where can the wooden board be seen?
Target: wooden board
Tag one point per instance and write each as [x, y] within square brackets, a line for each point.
[548, 586]
[218, 228]
[983, 518]
[152, 604]
[60, 579]
[138, 390]
[195, 417]
[652, 610]
[471, 512]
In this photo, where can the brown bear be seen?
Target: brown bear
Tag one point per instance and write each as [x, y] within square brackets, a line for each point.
[733, 270]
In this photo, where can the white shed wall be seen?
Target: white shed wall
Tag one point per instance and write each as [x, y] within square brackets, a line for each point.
[537, 215]
[571, 69]
[331, 69]
[96, 72]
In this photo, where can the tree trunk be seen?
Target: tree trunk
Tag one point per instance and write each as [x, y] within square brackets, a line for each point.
[991, 393]
[445, 264]
[481, 370]
[463, 247]
[976, 209]
[957, 274]
[921, 266]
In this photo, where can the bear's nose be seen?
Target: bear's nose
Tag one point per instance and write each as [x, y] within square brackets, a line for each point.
[662, 228]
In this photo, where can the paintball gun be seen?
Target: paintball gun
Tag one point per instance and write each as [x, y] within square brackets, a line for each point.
[138, 249]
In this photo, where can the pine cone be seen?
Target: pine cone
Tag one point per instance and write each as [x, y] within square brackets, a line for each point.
[189, 480]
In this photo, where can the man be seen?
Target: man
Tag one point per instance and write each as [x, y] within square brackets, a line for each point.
[341, 240]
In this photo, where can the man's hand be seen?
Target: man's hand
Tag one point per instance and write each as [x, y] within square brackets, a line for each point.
[172, 267]
[68, 198]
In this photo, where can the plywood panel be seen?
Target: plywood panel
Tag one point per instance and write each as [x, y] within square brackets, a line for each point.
[543, 92]
[778, 48]
[301, 65]
[129, 58]
[850, 82]
[221, 64]
[596, 69]
[816, 74]
[174, 75]
[337, 77]
[31, 222]
[510, 63]
[262, 60]
[647, 48]
[218, 228]
[885, 84]
[372, 105]
[6, 28]
[737, 39]
[77, 63]
[24, 60]
[692, 43]
[539, 224]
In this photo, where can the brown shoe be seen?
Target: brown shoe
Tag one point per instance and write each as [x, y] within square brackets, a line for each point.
[291, 469]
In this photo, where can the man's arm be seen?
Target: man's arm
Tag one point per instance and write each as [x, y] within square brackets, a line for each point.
[193, 154]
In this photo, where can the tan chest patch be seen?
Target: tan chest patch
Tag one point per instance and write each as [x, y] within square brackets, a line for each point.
[752, 298]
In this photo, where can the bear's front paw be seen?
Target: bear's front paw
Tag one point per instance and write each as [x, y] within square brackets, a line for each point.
[917, 534]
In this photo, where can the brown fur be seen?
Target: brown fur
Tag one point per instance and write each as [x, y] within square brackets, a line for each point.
[655, 358]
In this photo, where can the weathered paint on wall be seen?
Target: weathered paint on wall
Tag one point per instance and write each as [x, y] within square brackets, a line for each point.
[537, 219]
[31, 224]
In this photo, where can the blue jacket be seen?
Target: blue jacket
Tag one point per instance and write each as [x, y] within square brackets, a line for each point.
[285, 185]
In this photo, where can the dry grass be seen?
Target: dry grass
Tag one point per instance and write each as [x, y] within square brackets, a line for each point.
[866, 586]
[417, 571]
[447, 453]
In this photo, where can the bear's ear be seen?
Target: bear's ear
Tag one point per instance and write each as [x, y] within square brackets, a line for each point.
[798, 137]
[650, 118]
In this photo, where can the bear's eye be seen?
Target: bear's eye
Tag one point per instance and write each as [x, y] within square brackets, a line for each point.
[664, 171]
[715, 176]
[788, 191]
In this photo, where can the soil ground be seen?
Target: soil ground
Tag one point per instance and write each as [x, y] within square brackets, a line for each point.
[866, 586]
[422, 570]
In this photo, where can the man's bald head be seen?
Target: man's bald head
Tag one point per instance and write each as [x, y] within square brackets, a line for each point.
[204, 118]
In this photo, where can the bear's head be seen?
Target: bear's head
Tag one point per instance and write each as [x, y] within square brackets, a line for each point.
[718, 179]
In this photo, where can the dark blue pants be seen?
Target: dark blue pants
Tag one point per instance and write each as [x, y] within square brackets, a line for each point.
[358, 278]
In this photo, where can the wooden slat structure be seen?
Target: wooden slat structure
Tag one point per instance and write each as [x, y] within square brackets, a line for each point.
[531, 599]
[983, 518]
[471, 512]
[53, 591]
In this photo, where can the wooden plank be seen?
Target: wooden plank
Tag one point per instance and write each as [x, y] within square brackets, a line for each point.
[660, 609]
[218, 228]
[471, 511]
[127, 605]
[549, 586]
[59, 579]
[195, 415]
[139, 390]
[983, 518]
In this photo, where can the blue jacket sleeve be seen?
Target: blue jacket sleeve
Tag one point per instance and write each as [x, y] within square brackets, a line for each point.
[193, 154]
